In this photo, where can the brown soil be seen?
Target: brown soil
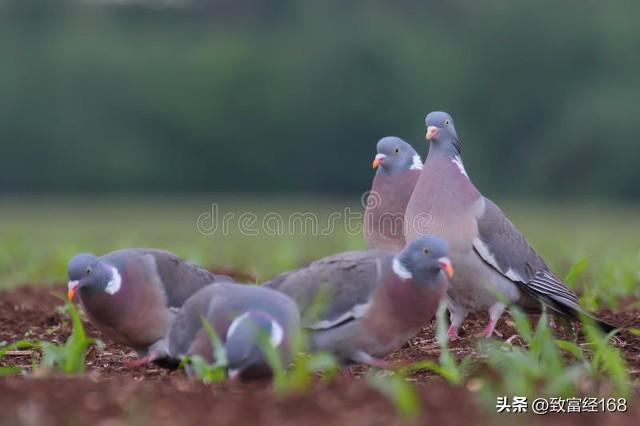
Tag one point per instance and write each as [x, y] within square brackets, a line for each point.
[109, 395]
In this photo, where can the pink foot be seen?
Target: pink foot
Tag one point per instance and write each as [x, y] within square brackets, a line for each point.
[488, 330]
[347, 373]
[138, 362]
[452, 333]
[380, 363]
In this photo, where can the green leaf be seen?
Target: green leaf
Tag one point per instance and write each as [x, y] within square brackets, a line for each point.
[9, 371]
[575, 270]
[572, 348]
[280, 383]
[219, 352]
[399, 391]
[205, 372]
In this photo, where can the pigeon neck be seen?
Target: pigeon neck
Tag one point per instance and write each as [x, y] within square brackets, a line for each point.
[409, 300]
[448, 150]
[451, 148]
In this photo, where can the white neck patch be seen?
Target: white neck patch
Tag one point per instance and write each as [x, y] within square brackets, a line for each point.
[235, 323]
[116, 282]
[400, 270]
[275, 338]
[458, 162]
[277, 334]
[417, 163]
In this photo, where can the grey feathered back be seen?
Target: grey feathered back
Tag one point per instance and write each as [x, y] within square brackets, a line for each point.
[349, 279]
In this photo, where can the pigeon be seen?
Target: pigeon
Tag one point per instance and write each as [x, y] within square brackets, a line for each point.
[489, 253]
[374, 301]
[399, 167]
[131, 295]
[241, 315]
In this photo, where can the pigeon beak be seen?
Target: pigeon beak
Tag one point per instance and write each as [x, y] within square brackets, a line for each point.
[432, 131]
[72, 289]
[378, 160]
[445, 264]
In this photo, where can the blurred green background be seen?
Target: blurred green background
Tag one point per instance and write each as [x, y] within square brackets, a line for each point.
[291, 96]
[123, 121]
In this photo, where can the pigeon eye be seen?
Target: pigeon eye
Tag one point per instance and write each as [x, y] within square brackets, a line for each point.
[425, 251]
[397, 150]
[447, 122]
[88, 271]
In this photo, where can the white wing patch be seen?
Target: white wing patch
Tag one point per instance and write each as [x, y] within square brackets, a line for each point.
[458, 162]
[417, 163]
[400, 270]
[358, 311]
[488, 257]
[513, 275]
[116, 282]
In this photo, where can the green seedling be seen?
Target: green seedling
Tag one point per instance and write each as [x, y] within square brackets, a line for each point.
[399, 391]
[205, 372]
[575, 270]
[304, 366]
[68, 358]
[396, 386]
[447, 366]
[606, 362]
[539, 368]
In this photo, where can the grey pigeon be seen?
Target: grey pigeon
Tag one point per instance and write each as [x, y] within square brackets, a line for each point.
[488, 252]
[241, 315]
[376, 300]
[131, 294]
[399, 167]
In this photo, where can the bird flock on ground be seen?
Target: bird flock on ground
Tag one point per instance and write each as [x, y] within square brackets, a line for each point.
[422, 222]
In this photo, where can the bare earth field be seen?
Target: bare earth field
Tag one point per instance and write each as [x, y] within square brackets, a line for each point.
[108, 394]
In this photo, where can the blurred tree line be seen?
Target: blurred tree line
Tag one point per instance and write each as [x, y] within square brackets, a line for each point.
[291, 96]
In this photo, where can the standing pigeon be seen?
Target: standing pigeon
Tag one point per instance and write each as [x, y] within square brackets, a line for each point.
[399, 167]
[241, 315]
[375, 300]
[488, 252]
[131, 294]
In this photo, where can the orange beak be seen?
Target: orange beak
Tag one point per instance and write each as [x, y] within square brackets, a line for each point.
[432, 131]
[446, 266]
[378, 160]
[72, 289]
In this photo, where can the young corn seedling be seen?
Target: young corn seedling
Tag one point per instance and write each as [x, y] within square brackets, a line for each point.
[305, 365]
[67, 358]
[203, 371]
[396, 385]
[539, 367]
[399, 391]
[447, 366]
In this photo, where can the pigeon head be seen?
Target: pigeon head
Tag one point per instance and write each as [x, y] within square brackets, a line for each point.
[246, 337]
[395, 154]
[88, 274]
[423, 259]
[441, 131]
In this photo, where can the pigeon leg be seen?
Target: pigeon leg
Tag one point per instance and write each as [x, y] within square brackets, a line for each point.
[365, 358]
[456, 317]
[139, 362]
[495, 311]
